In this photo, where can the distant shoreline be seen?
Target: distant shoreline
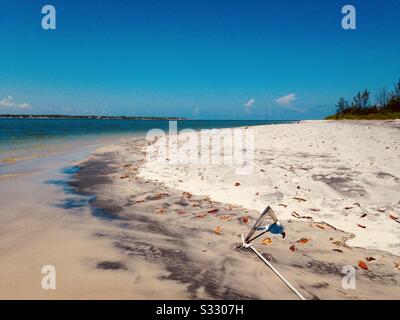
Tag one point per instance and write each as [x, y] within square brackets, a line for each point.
[61, 116]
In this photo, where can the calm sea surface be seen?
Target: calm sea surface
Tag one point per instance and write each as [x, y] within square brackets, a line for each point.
[22, 140]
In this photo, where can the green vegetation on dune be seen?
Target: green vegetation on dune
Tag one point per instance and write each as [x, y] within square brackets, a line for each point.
[387, 106]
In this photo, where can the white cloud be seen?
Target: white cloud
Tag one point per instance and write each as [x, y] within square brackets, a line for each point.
[8, 102]
[24, 106]
[249, 104]
[286, 100]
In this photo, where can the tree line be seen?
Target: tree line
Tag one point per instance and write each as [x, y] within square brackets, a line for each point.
[386, 105]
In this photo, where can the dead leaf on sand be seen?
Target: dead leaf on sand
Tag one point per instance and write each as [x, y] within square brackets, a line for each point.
[381, 210]
[364, 215]
[394, 218]
[337, 250]
[213, 210]
[361, 226]
[282, 205]
[357, 204]
[292, 248]
[237, 184]
[187, 194]
[362, 265]
[303, 241]
[348, 208]
[299, 199]
[267, 241]
[245, 219]
[315, 210]
[370, 259]
[320, 226]
[397, 265]
[157, 196]
[225, 218]
[218, 230]
[296, 215]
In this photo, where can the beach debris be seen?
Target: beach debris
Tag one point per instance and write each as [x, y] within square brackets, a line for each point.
[361, 226]
[245, 219]
[307, 217]
[381, 210]
[338, 250]
[292, 248]
[303, 241]
[356, 204]
[266, 241]
[213, 210]
[370, 259]
[282, 205]
[257, 193]
[339, 243]
[362, 265]
[157, 196]
[315, 210]
[226, 217]
[124, 176]
[296, 215]
[201, 215]
[139, 201]
[397, 265]
[262, 170]
[218, 230]
[320, 226]
[348, 208]
[187, 194]
[237, 184]
[364, 215]
[299, 199]
[127, 165]
[394, 218]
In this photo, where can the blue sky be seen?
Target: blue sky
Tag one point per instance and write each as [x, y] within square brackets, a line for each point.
[201, 59]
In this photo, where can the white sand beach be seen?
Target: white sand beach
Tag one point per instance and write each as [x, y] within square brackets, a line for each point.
[122, 227]
[346, 172]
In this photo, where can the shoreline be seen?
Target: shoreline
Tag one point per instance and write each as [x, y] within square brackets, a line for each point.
[137, 238]
[175, 231]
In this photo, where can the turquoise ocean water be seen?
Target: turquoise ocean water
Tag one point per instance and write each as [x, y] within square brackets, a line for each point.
[24, 140]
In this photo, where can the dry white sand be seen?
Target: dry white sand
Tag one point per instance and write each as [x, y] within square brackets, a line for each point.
[348, 173]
